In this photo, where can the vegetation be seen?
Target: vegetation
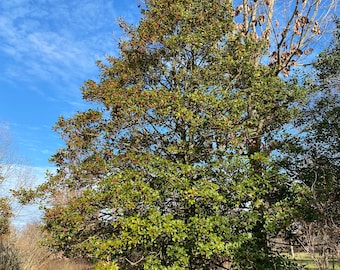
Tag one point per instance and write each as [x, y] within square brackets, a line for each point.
[177, 164]
[313, 159]
[10, 170]
[305, 259]
[35, 256]
[13, 174]
[5, 208]
[9, 259]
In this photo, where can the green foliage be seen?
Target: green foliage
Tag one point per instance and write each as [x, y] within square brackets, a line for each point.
[328, 62]
[174, 169]
[5, 207]
[314, 151]
[5, 215]
[106, 266]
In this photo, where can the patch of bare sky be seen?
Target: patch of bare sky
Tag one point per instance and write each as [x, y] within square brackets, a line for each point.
[58, 41]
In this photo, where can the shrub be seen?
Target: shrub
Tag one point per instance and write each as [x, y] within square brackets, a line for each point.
[9, 259]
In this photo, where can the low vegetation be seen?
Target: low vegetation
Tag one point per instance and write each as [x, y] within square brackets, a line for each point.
[24, 250]
[312, 261]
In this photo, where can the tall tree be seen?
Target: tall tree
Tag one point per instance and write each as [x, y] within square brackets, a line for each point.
[174, 170]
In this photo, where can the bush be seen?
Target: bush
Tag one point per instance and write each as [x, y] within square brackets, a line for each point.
[8, 257]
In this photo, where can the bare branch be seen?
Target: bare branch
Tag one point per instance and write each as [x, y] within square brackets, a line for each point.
[290, 28]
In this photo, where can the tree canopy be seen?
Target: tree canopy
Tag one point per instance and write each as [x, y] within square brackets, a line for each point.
[173, 168]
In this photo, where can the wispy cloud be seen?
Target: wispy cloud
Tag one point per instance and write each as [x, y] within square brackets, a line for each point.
[57, 42]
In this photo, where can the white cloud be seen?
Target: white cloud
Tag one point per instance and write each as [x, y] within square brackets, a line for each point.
[57, 42]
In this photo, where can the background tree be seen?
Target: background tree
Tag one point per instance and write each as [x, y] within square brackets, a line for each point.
[5, 208]
[314, 160]
[13, 174]
[174, 168]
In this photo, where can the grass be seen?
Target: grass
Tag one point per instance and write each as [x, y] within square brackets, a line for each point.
[306, 260]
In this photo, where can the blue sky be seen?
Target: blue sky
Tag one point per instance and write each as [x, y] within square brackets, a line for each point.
[47, 50]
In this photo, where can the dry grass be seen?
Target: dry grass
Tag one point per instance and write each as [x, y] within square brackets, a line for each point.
[64, 264]
[34, 256]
